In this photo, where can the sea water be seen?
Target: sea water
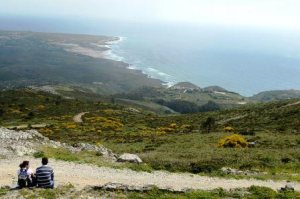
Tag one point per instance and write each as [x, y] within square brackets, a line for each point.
[241, 60]
[244, 60]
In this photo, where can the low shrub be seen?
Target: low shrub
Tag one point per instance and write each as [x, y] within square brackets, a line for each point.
[233, 141]
[247, 132]
[3, 191]
[204, 167]
[262, 192]
[229, 129]
[39, 154]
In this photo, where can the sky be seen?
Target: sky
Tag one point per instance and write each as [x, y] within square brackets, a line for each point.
[260, 13]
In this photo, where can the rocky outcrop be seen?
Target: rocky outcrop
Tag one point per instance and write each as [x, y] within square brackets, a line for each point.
[89, 147]
[19, 142]
[238, 172]
[127, 157]
[22, 143]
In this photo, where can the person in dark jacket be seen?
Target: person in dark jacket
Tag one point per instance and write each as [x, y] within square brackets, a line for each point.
[45, 175]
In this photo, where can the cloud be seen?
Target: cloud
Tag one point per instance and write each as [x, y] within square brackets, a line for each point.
[273, 13]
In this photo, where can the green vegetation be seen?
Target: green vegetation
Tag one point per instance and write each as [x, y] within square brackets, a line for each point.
[48, 193]
[178, 143]
[251, 193]
[186, 100]
[87, 157]
[69, 191]
[3, 191]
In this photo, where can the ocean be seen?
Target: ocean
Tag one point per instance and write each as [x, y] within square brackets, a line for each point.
[243, 60]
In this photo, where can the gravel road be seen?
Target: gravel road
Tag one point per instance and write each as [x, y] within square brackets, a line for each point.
[82, 175]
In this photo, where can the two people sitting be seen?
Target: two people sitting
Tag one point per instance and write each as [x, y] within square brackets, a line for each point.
[43, 178]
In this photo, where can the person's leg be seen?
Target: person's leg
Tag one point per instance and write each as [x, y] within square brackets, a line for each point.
[34, 181]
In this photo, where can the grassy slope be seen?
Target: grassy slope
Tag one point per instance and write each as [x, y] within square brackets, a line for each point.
[181, 147]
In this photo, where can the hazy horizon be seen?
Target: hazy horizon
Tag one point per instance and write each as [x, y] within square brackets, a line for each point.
[254, 13]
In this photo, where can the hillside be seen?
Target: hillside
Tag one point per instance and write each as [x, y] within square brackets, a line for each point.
[173, 142]
[176, 143]
[268, 96]
[186, 98]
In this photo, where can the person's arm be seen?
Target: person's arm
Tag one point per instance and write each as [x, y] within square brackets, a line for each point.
[36, 171]
[52, 176]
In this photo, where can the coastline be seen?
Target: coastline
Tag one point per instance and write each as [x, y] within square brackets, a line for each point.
[150, 72]
[101, 47]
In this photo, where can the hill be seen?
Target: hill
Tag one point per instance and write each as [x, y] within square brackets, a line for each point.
[268, 96]
[185, 86]
[186, 98]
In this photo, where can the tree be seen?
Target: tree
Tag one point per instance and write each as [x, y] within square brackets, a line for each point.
[209, 106]
[208, 124]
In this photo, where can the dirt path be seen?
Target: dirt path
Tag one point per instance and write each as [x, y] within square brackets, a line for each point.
[82, 175]
[78, 118]
[232, 119]
[292, 104]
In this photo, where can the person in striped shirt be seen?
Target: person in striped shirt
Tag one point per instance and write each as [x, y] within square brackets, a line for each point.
[45, 175]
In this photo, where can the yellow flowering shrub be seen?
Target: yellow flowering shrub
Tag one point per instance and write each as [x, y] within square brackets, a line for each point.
[173, 126]
[112, 112]
[233, 141]
[165, 129]
[107, 124]
[186, 128]
[70, 126]
[229, 129]
[46, 131]
[41, 107]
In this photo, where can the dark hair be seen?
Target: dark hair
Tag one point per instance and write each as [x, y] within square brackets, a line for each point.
[44, 161]
[24, 164]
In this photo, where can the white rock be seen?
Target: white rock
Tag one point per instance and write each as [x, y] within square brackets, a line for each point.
[127, 157]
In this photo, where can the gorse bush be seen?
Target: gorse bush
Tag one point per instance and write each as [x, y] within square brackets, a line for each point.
[233, 141]
[229, 129]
